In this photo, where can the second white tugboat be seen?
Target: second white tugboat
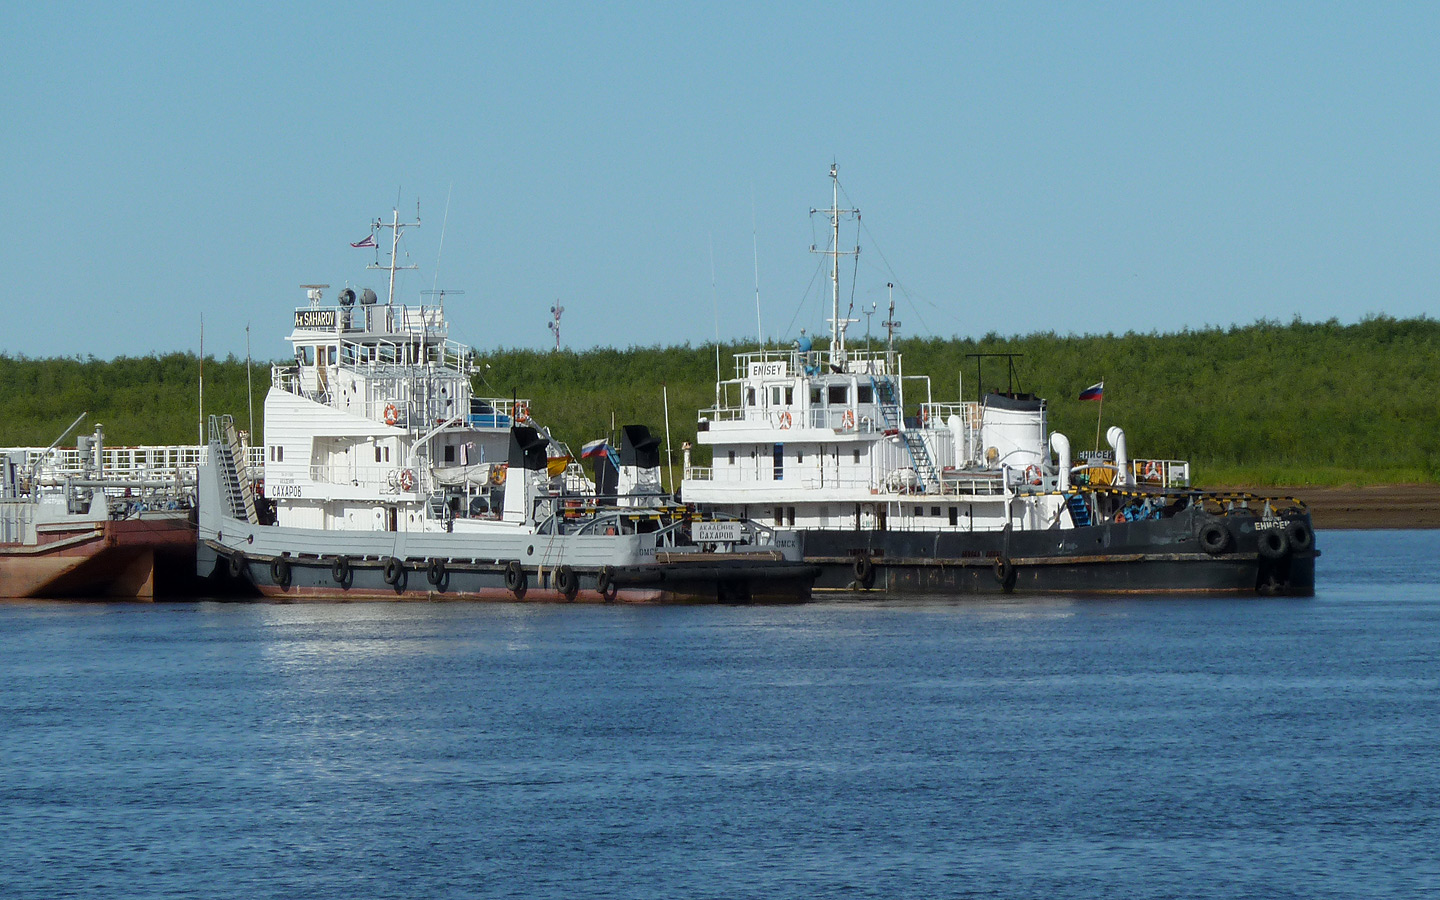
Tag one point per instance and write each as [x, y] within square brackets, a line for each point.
[384, 477]
[898, 493]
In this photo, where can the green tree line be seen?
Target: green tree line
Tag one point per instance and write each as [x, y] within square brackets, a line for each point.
[1267, 403]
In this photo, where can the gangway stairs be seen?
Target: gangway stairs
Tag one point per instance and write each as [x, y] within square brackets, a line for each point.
[235, 481]
[889, 400]
[1079, 510]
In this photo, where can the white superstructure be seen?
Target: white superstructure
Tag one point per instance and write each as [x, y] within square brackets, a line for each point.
[839, 438]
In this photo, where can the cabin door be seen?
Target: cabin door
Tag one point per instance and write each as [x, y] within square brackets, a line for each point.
[392, 518]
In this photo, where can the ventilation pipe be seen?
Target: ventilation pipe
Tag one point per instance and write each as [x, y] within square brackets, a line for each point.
[1116, 436]
[1061, 445]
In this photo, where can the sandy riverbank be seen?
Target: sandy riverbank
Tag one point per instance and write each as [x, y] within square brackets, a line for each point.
[1372, 506]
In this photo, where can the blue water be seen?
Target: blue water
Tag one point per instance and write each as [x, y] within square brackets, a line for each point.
[1025, 748]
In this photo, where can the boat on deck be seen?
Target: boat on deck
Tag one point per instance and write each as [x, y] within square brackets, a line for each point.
[895, 492]
[385, 476]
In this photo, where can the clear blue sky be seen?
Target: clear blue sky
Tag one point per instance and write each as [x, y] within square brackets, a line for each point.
[1075, 167]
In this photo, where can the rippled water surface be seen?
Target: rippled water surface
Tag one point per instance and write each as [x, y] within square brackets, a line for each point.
[1025, 748]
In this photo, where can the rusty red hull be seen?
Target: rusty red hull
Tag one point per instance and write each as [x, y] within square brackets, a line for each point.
[135, 559]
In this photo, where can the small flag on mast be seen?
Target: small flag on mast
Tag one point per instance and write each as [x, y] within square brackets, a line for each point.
[368, 242]
[1094, 392]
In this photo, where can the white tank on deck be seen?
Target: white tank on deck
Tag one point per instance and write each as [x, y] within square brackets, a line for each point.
[1015, 428]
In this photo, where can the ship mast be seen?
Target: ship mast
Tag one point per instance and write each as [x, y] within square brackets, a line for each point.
[837, 324]
[396, 227]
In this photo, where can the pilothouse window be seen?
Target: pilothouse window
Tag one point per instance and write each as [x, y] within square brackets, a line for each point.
[838, 393]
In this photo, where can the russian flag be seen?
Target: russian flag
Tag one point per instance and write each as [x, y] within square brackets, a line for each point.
[594, 448]
[1093, 392]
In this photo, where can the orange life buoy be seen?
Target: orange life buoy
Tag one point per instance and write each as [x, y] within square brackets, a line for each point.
[848, 420]
[392, 415]
[1152, 472]
[785, 420]
[1032, 474]
[497, 474]
[522, 410]
[407, 479]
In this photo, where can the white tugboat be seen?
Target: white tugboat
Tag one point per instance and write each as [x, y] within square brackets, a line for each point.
[894, 491]
[385, 477]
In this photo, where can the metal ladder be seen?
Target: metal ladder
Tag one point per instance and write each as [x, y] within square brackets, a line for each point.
[1079, 509]
[890, 411]
[235, 482]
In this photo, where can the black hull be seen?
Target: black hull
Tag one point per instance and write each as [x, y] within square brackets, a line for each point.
[1149, 557]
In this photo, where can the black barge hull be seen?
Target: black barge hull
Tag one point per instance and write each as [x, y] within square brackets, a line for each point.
[1190, 553]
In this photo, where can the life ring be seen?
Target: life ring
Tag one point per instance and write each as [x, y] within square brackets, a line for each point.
[1273, 544]
[394, 571]
[392, 415]
[1032, 474]
[605, 584]
[924, 416]
[865, 572]
[847, 421]
[435, 573]
[407, 479]
[1214, 538]
[1152, 472]
[280, 571]
[237, 564]
[515, 578]
[566, 582]
[497, 475]
[340, 569]
[1301, 537]
[785, 420]
[522, 410]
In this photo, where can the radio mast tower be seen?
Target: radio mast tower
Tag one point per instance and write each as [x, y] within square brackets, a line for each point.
[556, 311]
[837, 324]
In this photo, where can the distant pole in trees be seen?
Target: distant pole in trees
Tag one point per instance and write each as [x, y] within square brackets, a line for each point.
[556, 311]
[249, 384]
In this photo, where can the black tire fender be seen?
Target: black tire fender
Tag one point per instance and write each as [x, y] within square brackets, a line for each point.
[1301, 536]
[1272, 543]
[394, 571]
[435, 572]
[1004, 570]
[1215, 538]
[237, 564]
[280, 571]
[605, 583]
[340, 569]
[865, 572]
[515, 577]
[566, 582]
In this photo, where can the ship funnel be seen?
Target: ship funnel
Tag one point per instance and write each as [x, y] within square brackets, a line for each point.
[1116, 436]
[1061, 445]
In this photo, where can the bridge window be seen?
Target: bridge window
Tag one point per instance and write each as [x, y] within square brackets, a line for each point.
[857, 456]
[779, 462]
[815, 395]
[750, 396]
[838, 394]
[865, 394]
